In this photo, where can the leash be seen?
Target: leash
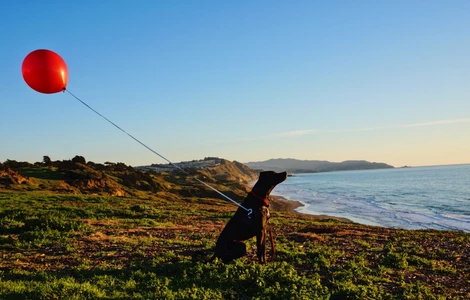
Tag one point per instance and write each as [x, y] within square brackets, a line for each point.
[249, 210]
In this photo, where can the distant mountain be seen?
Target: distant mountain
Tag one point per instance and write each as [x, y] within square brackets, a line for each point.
[311, 166]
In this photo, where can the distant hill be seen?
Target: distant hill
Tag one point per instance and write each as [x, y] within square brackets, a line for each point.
[311, 166]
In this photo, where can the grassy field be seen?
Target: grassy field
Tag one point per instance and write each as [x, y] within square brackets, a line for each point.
[56, 246]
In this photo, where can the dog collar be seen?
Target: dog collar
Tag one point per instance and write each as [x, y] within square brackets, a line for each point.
[265, 200]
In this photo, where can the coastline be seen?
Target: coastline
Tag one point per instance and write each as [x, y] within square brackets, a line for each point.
[282, 204]
[279, 203]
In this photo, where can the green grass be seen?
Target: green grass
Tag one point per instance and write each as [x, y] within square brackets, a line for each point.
[95, 247]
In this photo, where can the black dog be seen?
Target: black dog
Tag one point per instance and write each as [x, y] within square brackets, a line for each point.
[243, 226]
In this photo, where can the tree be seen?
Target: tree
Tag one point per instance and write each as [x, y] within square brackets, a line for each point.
[79, 159]
[46, 160]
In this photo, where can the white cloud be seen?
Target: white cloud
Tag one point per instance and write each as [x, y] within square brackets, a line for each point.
[441, 122]
[304, 132]
[295, 133]
[424, 124]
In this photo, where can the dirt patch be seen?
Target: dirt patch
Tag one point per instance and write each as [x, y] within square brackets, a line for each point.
[9, 177]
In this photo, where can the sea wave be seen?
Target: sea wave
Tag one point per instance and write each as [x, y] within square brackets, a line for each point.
[409, 199]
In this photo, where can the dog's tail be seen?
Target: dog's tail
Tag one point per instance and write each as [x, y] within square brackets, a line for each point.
[212, 258]
[202, 256]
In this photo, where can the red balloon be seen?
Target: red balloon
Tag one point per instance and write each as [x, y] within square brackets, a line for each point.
[45, 71]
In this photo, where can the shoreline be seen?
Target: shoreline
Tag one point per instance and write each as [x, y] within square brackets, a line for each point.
[280, 203]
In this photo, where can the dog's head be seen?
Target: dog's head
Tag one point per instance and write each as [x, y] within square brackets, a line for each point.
[267, 181]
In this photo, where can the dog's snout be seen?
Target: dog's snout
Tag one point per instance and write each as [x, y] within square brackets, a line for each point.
[282, 176]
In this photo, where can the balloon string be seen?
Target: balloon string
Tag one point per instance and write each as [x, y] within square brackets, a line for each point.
[158, 154]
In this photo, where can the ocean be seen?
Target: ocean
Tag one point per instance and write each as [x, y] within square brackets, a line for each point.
[411, 198]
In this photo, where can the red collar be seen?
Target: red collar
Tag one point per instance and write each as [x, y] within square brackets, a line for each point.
[265, 200]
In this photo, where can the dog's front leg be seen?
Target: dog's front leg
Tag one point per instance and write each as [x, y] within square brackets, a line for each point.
[261, 246]
[261, 234]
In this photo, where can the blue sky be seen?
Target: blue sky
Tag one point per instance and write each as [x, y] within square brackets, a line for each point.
[384, 81]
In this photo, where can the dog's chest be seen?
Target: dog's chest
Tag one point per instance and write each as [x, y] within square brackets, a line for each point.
[256, 221]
